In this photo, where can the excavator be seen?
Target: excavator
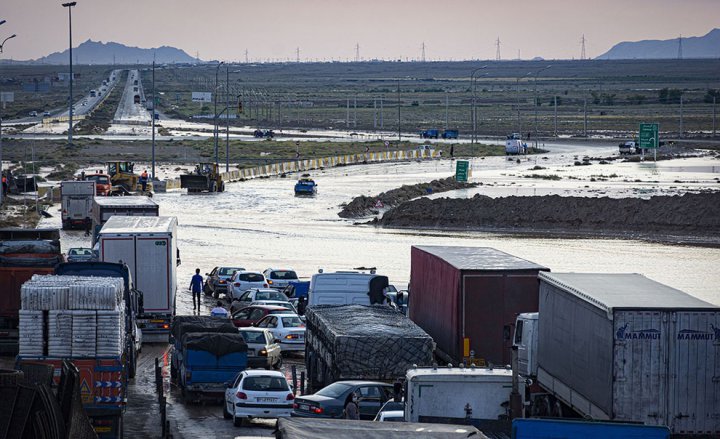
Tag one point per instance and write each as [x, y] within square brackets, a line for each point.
[124, 180]
[205, 178]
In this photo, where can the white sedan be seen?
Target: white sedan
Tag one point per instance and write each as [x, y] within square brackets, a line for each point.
[287, 328]
[258, 394]
[242, 281]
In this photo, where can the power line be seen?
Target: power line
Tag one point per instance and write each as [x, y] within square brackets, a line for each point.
[497, 51]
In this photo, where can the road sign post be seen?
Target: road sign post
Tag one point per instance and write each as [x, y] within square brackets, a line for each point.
[462, 171]
[648, 137]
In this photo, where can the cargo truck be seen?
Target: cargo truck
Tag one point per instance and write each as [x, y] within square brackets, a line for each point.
[467, 299]
[568, 428]
[361, 342]
[621, 347]
[459, 395]
[80, 319]
[105, 207]
[23, 253]
[148, 245]
[77, 202]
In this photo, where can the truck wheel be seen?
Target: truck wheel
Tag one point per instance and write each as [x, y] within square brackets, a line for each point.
[222, 187]
[10, 378]
[132, 364]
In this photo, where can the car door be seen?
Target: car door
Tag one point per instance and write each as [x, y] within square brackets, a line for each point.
[211, 279]
[272, 348]
[371, 399]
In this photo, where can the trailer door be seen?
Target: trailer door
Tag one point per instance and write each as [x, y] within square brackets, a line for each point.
[641, 367]
[153, 273]
[695, 378]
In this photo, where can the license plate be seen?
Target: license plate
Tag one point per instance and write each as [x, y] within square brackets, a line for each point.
[304, 407]
[267, 399]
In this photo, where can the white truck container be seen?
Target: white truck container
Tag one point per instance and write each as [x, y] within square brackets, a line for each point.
[105, 207]
[622, 347]
[345, 288]
[148, 245]
[459, 395]
[77, 201]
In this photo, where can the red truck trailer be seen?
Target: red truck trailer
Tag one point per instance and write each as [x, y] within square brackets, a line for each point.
[467, 299]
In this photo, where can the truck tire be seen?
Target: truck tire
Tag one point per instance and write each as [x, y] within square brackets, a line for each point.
[222, 187]
[132, 361]
[10, 378]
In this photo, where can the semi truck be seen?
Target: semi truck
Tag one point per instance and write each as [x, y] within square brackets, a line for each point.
[77, 202]
[79, 318]
[362, 342]
[105, 207]
[148, 245]
[23, 253]
[467, 299]
[621, 347]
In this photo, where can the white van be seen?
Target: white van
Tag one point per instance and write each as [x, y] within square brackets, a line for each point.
[345, 288]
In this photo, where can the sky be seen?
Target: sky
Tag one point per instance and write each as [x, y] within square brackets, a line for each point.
[331, 29]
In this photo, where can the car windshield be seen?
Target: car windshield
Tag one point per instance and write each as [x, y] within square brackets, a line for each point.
[292, 322]
[265, 383]
[270, 295]
[253, 336]
[228, 271]
[334, 390]
[287, 275]
[250, 277]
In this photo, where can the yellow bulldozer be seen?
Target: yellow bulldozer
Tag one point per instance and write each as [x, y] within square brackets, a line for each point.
[205, 178]
[124, 179]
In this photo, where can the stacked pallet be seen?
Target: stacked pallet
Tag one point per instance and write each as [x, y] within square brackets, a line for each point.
[72, 316]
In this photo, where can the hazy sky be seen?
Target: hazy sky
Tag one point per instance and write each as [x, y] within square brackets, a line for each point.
[325, 29]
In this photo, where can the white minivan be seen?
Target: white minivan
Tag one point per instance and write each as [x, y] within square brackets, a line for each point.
[346, 287]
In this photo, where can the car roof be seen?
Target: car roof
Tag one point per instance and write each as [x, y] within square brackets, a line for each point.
[360, 382]
[252, 329]
[256, 372]
[279, 269]
[289, 314]
[251, 272]
[262, 290]
[268, 307]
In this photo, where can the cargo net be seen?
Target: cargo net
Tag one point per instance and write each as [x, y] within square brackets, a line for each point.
[72, 316]
[369, 342]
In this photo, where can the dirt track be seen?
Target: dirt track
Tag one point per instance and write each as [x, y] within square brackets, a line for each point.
[690, 214]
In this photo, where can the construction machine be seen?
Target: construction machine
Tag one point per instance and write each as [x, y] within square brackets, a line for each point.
[124, 180]
[205, 178]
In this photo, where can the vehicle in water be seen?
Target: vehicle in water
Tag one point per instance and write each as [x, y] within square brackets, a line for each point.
[305, 186]
[430, 134]
[514, 145]
[205, 178]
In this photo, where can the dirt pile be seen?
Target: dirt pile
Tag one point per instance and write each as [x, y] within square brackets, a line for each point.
[364, 206]
[689, 213]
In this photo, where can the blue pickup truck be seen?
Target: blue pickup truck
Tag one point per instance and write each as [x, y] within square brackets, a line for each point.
[207, 352]
[558, 429]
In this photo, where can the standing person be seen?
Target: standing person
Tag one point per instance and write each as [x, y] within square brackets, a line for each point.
[219, 310]
[4, 185]
[352, 410]
[144, 180]
[452, 151]
[196, 288]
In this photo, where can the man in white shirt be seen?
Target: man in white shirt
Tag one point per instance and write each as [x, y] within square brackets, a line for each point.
[219, 311]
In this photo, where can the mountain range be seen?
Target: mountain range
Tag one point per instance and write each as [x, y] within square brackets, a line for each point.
[97, 52]
[707, 46]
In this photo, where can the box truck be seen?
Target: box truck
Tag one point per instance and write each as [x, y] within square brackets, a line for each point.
[148, 245]
[622, 347]
[467, 299]
[77, 202]
[105, 207]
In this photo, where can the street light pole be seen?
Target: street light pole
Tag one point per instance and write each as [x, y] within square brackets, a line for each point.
[227, 118]
[473, 109]
[398, 93]
[536, 99]
[215, 132]
[152, 169]
[2, 191]
[70, 128]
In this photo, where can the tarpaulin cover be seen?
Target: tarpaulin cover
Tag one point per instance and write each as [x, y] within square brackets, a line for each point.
[368, 342]
[218, 344]
[306, 428]
[20, 247]
[184, 324]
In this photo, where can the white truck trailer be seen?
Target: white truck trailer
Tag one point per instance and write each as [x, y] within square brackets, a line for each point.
[148, 245]
[621, 347]
[105, 207]
[77, 203]
[459, 395]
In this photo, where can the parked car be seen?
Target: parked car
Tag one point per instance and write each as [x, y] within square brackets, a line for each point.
[242, 281]
[253, 314]
[391, 411]
[258, 394]
[288, 328]
[287, 305]
[329, 402]
[256, 294]
[46, 114]
[33, 113]
[262, 352]
[279, 278]
[216, 281]
[79, 254]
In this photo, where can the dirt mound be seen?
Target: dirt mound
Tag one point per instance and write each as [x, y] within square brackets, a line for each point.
[689, 213]
[364, 206]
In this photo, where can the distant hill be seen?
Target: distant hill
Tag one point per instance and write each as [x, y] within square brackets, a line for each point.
[707, 46]
[97, 52]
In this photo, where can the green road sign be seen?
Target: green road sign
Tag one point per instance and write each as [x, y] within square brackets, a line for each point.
[649, 135]
[462, 168]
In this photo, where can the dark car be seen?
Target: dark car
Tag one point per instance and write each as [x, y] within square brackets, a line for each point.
[254, 313]
[216, 281]
[329, 402]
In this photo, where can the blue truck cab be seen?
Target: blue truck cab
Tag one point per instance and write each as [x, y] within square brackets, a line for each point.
[430, 134]
[562, 428]
[450, 134]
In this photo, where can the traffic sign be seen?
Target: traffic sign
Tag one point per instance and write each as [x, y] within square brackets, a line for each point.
[649, 135]
[462, 170]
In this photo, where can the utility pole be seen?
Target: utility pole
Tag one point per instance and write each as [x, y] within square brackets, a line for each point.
[446, 110]
[355, 112]
[582, 50]
[497, 51]
[585, 117]
[681, 116]
[375, 113]
[423, 52]
[217, 158]
[246, 56]
[398, 105]
[227, 118]
[152, 169]
[382, 112]
[70, 114]
[347, 114]
[714, 119]
[555, 102]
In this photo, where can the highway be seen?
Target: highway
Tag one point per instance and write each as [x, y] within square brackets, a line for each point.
[128, 111]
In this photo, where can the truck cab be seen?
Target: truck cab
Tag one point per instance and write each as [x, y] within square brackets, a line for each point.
[526, 341]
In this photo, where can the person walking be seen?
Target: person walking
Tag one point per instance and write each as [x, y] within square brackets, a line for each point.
[219, 310]
[144, 180]
[196, 288]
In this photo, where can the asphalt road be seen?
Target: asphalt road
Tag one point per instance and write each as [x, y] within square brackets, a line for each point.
[128, 111]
